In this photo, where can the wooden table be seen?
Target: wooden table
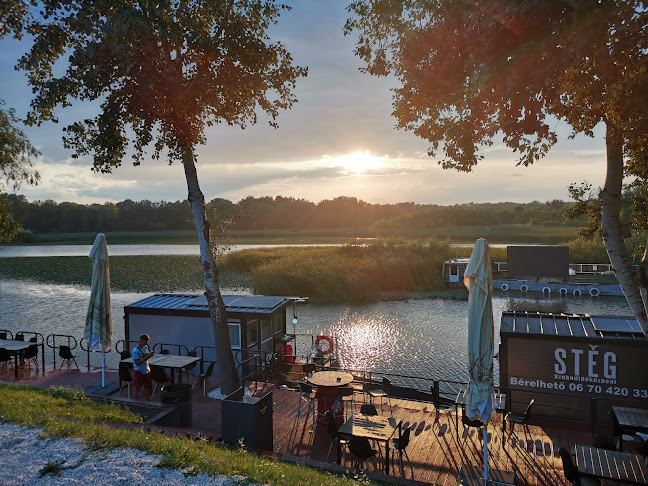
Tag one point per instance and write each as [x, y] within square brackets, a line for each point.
[172, 361]
[327, 383]
[14, 346]
[374, 427]
[614, 465]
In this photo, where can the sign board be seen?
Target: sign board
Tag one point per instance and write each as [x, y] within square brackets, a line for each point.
[537, 261]
[607, 369]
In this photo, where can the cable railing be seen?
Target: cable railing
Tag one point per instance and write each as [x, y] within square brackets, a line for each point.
[6, 334]
[85, 346]
[63, 340]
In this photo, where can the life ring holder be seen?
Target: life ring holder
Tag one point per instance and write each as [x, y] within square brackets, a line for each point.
[524, 288]
[563, 291]
[329, 340]
[546, 290]
[594, 292]
[504, 287]
[577, 292]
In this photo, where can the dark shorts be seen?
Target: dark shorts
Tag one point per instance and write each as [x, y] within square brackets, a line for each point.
[140, 380]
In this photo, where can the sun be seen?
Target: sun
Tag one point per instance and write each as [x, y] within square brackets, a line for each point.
[360, 162]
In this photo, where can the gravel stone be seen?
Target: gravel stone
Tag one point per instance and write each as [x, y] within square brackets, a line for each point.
[25, 452]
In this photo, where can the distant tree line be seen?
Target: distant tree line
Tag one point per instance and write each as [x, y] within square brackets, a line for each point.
[279, 213]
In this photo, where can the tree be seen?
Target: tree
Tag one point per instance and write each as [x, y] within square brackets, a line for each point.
[470, 71]
[162, 72]
[15, 167]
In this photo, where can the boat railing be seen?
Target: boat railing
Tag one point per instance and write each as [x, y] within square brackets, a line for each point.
[254, 365]
[6, 333]
[63, 340]
[85, 346]
[125, 345]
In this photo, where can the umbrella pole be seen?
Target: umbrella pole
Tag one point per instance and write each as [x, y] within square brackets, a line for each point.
[485, 455]
[103, 367]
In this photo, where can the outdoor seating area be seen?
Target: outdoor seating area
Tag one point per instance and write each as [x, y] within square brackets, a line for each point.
[338, 417]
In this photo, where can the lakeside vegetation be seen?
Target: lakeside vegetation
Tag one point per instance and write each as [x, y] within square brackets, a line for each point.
[355, 272]
[65, 412]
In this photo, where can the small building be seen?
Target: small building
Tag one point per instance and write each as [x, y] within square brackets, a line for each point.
[454, 270]
[256, 323]
[574, 366]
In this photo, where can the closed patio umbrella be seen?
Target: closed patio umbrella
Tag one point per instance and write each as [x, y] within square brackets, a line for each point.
[478, 279]
[98, 326]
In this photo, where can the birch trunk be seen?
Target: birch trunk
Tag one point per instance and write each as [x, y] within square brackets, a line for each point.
[611, 227]
[228, 375]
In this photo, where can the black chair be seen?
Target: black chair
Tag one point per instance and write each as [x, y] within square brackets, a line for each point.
[520, 418]
[441, 404]
[604, 442]
[570, 470]
[308, 395]
[382, 393]
[164, 351]
[67, 357]
[344, 399]
[19, 337]
[334, 436]
[203, 377]
[31, 354]
[125, 355]
[160, 377]
[3, 335]
[362, 450]
[125, 378]
[400, 445]
[5, 358]
[368, 409]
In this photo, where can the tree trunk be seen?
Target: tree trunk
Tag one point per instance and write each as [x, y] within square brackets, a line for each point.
[611, 227]
[228, 375]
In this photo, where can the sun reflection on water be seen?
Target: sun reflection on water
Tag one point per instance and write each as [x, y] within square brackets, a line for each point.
[366, 340]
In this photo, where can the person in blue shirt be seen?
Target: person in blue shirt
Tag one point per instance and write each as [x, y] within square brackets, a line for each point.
[142, 371]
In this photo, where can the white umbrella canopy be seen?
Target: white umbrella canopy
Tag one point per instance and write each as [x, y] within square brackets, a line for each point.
[478, 279]
[98, 326]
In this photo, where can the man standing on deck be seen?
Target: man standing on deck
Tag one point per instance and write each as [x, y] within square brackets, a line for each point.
[142, 371]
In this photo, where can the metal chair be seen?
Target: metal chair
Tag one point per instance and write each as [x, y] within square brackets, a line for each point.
[520, 418]
[306, 394]
[400, 444]
[570, 470]
[441, 404]
[125, 378]
[67, 357]
[382, 393]
[344, 399]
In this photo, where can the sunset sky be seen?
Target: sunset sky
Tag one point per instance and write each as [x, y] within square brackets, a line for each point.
[339, 139]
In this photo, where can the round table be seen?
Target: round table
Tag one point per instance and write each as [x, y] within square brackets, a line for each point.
[327, 383]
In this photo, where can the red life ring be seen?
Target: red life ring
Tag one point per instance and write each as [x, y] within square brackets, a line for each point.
[328, 340]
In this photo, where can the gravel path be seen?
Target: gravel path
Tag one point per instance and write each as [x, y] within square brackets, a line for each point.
[25, 452]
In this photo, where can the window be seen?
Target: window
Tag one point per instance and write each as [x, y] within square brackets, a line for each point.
[277, 324]
[235, 334]
[252, 333]
[266, 335]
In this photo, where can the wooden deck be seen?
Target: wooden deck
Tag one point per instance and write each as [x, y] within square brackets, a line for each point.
[437, 449]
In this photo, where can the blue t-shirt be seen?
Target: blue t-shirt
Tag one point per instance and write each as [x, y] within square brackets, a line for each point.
[138, 353]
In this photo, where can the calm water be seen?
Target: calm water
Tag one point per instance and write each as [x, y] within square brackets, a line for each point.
[422, 337]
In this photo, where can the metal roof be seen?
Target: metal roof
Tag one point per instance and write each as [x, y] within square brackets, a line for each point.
[571, 325]
[191, 302]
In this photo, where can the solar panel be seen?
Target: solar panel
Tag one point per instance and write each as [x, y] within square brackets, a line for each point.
[616, 324]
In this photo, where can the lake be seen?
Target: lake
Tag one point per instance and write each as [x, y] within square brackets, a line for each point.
[421, 337]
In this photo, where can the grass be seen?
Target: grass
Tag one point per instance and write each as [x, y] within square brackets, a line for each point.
[367, 271]
[68, 413]
[495, 234]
